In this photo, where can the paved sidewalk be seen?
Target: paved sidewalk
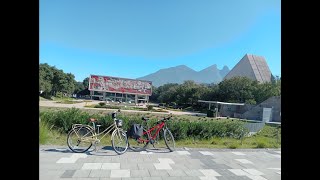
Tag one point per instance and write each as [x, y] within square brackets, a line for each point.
[198, 164]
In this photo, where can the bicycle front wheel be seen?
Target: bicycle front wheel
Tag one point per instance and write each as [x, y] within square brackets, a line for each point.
[80, 139]
[119, 141]
[169, 140]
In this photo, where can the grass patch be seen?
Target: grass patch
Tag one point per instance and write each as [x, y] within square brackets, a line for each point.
[66, 101]
[43, 132]
[43, 99]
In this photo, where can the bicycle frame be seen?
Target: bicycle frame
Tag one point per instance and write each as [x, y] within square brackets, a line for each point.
[95, 135]
[158, 127]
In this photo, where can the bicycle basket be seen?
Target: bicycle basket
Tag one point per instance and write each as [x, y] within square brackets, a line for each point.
[136, 131]
[119, 122]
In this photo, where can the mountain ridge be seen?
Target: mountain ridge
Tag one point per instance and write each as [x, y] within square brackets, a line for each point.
[179, 74]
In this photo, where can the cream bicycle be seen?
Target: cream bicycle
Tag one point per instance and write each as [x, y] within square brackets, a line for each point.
[82, 137]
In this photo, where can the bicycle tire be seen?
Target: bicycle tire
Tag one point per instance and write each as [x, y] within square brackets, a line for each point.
[159, 142]
[169, 140]
[83, 132]
[139, 144]
[123, 138]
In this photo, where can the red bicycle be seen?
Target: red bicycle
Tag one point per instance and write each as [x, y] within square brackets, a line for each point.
[152, 136]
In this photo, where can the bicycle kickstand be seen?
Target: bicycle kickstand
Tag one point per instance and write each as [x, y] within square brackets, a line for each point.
[97, 141]
[95, 146]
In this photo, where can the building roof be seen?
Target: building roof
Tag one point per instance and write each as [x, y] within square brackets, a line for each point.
[251, 66]
[218, 102]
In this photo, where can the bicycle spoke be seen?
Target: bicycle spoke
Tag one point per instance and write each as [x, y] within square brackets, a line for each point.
[119, 141]
[169, 140]
[78, 140]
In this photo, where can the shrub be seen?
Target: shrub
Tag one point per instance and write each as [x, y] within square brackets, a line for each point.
[43, 132]
[102, 103]
[261, 144]
[180, 128]
[233, 145]
[149, 107]
[59, 94]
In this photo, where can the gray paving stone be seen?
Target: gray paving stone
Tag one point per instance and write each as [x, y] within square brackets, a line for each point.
[194, 166]
[131, 166]
[161, 166]
[152, 178]
[102, 160]
[272, 177]
[68, 174]
[191, 178]
[224, 172]
[221, 162]
[51, 173]
[149, 160]
[173, 178]
[52, 166]
[139, 173]
[144, 166]
[120, 173]
[216, 166]
[76, 166]
[91, 166]
[177, 173]
[135, 160]
[193, 172]
[158, 173]
[100, 173]
[194, 161]
[233, 178]
[81, 173]
[110, 166]
[179, 166]
[115, 160]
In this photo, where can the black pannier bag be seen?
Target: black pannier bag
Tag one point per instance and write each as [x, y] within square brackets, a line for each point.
[136, 131]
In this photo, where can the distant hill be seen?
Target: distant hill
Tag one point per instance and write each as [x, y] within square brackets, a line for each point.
[181, 73]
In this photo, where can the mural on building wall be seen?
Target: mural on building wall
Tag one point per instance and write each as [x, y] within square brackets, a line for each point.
[119, 85]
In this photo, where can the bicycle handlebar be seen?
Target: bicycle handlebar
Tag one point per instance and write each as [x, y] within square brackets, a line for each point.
[166, 118]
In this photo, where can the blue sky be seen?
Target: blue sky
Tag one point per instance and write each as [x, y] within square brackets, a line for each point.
[131, 39]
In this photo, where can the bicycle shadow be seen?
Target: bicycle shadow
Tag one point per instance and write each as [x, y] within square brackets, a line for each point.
[103, 151]
[92, 151]
[64, 150]
[158, 150]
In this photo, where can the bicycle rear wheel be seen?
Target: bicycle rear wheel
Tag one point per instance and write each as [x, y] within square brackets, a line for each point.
[139, 144]
[79, 140]
[169, 140]
[119, 141]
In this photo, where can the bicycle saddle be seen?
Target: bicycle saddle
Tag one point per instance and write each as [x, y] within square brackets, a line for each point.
[92, 119]
[145, 119]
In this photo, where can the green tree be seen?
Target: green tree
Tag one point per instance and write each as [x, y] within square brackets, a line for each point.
[190, 92]
[45, 79]
[53, 80]
[267, 90]
[85, 83]
[237, 89]
[78, 87]
[166, 92]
